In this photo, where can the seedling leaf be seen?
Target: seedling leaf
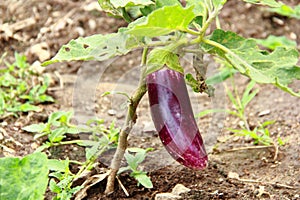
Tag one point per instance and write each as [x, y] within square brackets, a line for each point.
[144, 180]
[35, 128]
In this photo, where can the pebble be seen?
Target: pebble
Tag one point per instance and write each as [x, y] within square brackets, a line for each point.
[233, 175]
[264, 112]
[166, 196]
[175, 194]
[180, 189]
[112, 112]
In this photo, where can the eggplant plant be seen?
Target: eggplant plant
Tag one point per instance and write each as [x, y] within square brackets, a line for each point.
[166, 31]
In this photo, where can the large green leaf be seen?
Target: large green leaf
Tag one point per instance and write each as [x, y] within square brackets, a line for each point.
[96, 47]
[271, 3]
[24, 179]
[278, 67]
[164, 21]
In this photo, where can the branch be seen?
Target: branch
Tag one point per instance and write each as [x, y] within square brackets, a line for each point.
[129, 122]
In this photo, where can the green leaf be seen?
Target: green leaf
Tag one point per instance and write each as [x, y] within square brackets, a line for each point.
[278, 67]
[58, 165]
[123, 169]
[287, 11]
[35, 128]
[161, 57]
[96, 47]
[162, 3]
[164, 21]
[24, 108]
[199, 7]
[276, 41]
[140, 154]
[271, 3]
[248, 95]
[43, 147]
[92, 151]
[57, 135]
[131, 160]
[210, 111]
[127, 3]
[56, 116]
[192, 82]
[144, 180]
[54, 187]
[280, 141]
[24, 179]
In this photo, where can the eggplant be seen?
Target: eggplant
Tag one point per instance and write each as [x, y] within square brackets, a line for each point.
[173, 117]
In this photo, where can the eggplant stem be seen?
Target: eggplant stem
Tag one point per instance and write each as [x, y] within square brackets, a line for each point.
[129, 122]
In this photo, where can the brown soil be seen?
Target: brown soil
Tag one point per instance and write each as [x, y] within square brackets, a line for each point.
[54, 23]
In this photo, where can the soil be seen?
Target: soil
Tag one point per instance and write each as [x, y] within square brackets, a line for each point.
[237, 168]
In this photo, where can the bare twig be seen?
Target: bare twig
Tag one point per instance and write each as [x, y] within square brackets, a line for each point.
[129, 122]
[122, 186]
[267, 183]
[250, 147]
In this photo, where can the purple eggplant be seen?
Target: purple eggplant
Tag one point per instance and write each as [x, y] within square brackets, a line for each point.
[173, 118]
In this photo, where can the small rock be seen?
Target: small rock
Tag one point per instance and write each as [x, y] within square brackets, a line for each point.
[233, 175]
[112, 112]
[180, 189]
[92, 24]
[120, 115]
[37, 67]
[41, 50]
[293, 36]
[149, 127]
[34, 145]
[264, 112]
[166, 196]
[80, 31]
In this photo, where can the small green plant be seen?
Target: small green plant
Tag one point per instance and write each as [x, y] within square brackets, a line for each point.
[260, 134]
[61, 179]
[133, 159]
[102, 139]
[21, 88]
[56, 128]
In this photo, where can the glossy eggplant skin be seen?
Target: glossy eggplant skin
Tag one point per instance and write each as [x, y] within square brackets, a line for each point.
[173, 118]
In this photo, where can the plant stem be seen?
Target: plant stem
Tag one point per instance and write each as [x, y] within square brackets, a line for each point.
[129, 122]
